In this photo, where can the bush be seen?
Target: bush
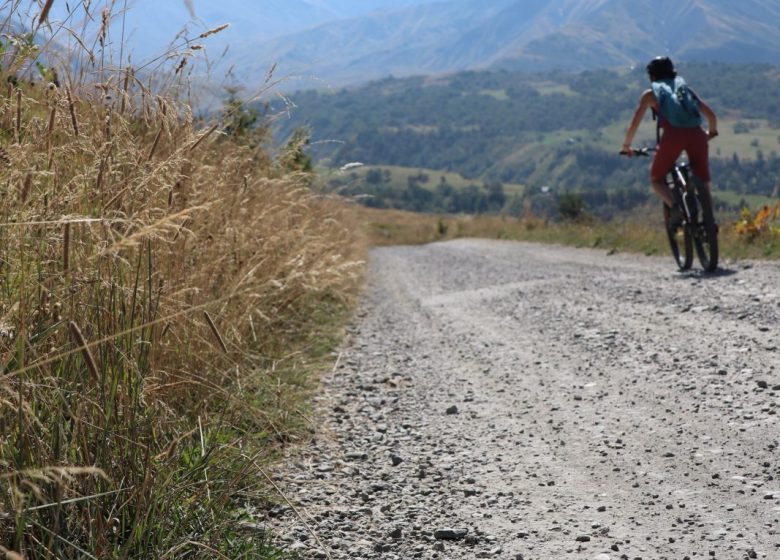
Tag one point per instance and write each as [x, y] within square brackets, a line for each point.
[571, 207]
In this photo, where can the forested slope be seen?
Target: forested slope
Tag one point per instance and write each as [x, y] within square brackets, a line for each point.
[553, 130]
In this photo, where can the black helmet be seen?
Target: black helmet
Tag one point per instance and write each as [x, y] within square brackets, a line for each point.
[661, 68]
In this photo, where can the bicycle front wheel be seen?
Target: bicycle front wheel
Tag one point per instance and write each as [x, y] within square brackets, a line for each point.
[704, 230]
[680, 242]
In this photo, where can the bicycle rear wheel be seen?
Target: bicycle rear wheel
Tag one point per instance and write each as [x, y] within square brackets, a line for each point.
[680, 242]
[704, 229]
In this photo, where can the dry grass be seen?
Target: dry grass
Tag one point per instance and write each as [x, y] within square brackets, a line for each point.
[639, 232]
[160, 290]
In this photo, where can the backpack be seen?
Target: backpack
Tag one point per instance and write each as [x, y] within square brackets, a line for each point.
[677, 103]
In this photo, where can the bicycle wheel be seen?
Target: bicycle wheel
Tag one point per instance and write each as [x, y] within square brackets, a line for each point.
[704, 228]
[680, 243]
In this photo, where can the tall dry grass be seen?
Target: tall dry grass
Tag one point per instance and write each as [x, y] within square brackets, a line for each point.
[640, 231]
[159, 287]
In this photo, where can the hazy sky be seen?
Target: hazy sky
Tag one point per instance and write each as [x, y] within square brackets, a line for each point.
[151, 25]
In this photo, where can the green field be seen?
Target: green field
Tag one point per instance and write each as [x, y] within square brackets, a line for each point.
[753, 201]
[400, 177]
[499, 94]
[760, 137]
[550, 88]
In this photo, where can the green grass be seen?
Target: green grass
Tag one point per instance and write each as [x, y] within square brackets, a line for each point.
[550, 88]
[744, 144]
[499, 94]
[725, 146]
[753, 201]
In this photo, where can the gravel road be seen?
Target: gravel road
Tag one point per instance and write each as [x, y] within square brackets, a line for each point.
[518, 401]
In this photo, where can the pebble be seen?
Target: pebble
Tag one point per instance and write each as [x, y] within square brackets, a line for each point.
[447, 534]
[625, 418]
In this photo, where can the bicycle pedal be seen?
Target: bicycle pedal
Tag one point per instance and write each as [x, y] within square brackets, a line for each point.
[677, 217]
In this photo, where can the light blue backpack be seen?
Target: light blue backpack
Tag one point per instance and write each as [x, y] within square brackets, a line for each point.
[677, 103]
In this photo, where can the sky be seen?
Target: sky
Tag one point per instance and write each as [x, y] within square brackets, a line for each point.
[156, 35]
[150, 26]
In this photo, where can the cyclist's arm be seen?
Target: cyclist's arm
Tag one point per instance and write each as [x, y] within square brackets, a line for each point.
[645, 102]
[712, 118]
[709, 114]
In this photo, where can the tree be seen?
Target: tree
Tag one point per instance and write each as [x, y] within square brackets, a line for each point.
[374, 176]
[293, 157]
[571, 207]
[242, 122]
[496, 197]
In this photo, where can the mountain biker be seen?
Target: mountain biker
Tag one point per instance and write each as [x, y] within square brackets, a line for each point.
[674, 140]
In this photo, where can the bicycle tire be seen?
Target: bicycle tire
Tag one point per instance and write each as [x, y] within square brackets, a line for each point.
[704, 229]
[682, 253]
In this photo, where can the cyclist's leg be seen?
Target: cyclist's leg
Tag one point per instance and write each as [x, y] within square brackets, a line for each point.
[698, 150]
[669, 149]
[663, 192]
[698, 154]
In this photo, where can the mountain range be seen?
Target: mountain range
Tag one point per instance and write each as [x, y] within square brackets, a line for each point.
[520, 34]
[341, 42]
[149, 26]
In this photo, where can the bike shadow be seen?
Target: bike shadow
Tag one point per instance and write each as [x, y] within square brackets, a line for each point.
[702, 275]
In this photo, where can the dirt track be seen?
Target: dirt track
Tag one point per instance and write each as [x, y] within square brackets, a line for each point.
[608, 407]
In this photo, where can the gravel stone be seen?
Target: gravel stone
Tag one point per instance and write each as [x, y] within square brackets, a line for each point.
[636, 390]
[447, 534]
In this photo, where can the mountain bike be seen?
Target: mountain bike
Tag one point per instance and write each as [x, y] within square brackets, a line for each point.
[698, 229]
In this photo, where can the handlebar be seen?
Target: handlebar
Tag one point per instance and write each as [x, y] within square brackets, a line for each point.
[643, 152]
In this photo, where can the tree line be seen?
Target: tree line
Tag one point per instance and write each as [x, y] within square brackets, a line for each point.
[501, 127]
[377, 189]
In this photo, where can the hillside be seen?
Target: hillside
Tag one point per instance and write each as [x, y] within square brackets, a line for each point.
[610, 32]
[322, 43]
[572, 35]
[551, 130]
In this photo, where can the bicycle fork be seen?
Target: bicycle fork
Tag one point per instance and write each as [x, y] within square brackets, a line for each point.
[679, 186]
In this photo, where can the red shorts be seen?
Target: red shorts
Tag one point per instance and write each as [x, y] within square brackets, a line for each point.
[692, 141]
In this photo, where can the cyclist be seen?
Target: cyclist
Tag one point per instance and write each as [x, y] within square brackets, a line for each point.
[674, 140]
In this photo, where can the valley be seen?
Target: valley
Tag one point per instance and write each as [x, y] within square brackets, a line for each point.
[551, 132]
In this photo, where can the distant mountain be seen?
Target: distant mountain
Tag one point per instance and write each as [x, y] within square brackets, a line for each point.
[416, 39]
[151, 25]
[521, 34]
[593, 33]
[338, 42]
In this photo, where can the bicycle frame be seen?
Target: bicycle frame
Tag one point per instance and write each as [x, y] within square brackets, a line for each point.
[699, 229]
[677, 180]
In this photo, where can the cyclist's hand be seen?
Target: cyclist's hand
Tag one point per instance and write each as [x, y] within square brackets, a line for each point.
[626, 150]
[712, 134]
